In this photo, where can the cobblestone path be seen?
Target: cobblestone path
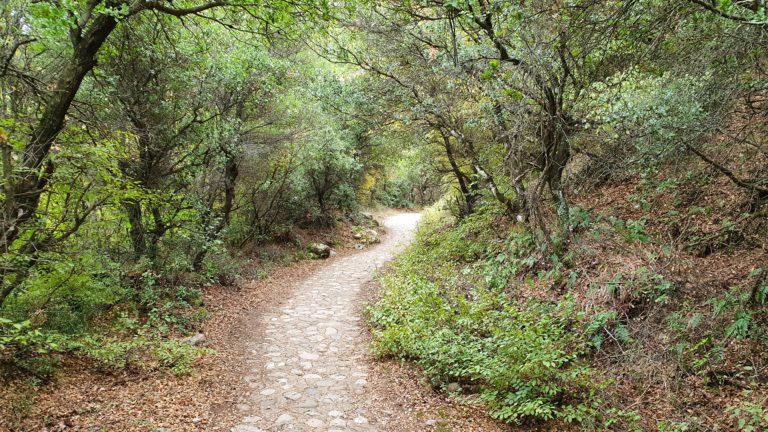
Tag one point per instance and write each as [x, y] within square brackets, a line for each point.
[309, 369]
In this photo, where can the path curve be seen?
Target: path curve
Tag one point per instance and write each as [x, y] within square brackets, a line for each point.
[309, 373]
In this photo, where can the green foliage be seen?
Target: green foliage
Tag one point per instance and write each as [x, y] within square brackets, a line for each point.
[110, 355]
[704, 338]
[67, 295]
[673, 426]
[438, 309]
[749, 416]
[200, 132]
[630, 230]
[27, 348]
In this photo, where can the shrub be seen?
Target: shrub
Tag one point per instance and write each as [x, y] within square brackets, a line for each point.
[749, 416]
[25, 347]
[446, 306]
[110, 355]
[66, 296]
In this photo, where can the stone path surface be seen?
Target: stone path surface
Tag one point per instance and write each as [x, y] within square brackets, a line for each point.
[309, 369]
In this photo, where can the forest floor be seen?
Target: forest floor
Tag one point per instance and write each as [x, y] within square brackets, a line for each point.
[291, 353]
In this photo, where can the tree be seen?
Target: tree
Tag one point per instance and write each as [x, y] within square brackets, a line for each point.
[71, 38]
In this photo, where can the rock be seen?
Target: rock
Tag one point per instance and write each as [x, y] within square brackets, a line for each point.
[453, 387]
[196, 339]
[246, 428]
[283, 420]
[372, 236]
[293, 396]
[365, 235]
[339, 422]
[430, 422]
[314, 423]
[370, 219]
[320, 249]
[309, 356]
[309, 403]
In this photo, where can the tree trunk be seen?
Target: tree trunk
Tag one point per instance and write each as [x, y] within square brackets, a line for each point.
[137, 232]
[230, 180]
[156, 234]
[468, 192]
[26, 187]
[559, 156]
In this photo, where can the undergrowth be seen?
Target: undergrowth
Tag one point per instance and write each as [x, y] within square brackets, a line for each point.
[447, 303]
[477, 307]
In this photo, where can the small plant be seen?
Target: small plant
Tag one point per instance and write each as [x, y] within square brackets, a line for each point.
[673, 426]
[625, 420]
[21, 337]
[750, 416]
[140, 353]
[178, 356]
[631, 230]
[580, 217]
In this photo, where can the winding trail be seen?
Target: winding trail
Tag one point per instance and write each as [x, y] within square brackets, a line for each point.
[309, 371]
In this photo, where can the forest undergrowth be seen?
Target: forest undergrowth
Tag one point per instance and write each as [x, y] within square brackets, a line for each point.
[640, 325]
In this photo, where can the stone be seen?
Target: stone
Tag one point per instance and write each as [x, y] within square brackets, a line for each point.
[315, 423]
[293, 396]
[321, 250]
[309, 356]
[309, 403]
[360, 420]
[372, 236]
[196, 340]
[283, 420]
[453, 387]
[246, 428]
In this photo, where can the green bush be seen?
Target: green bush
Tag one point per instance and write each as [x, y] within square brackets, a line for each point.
[20, 336]
[66, 296]
[750, 416]
[111, 355]
[26, 347]
[446, 305]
